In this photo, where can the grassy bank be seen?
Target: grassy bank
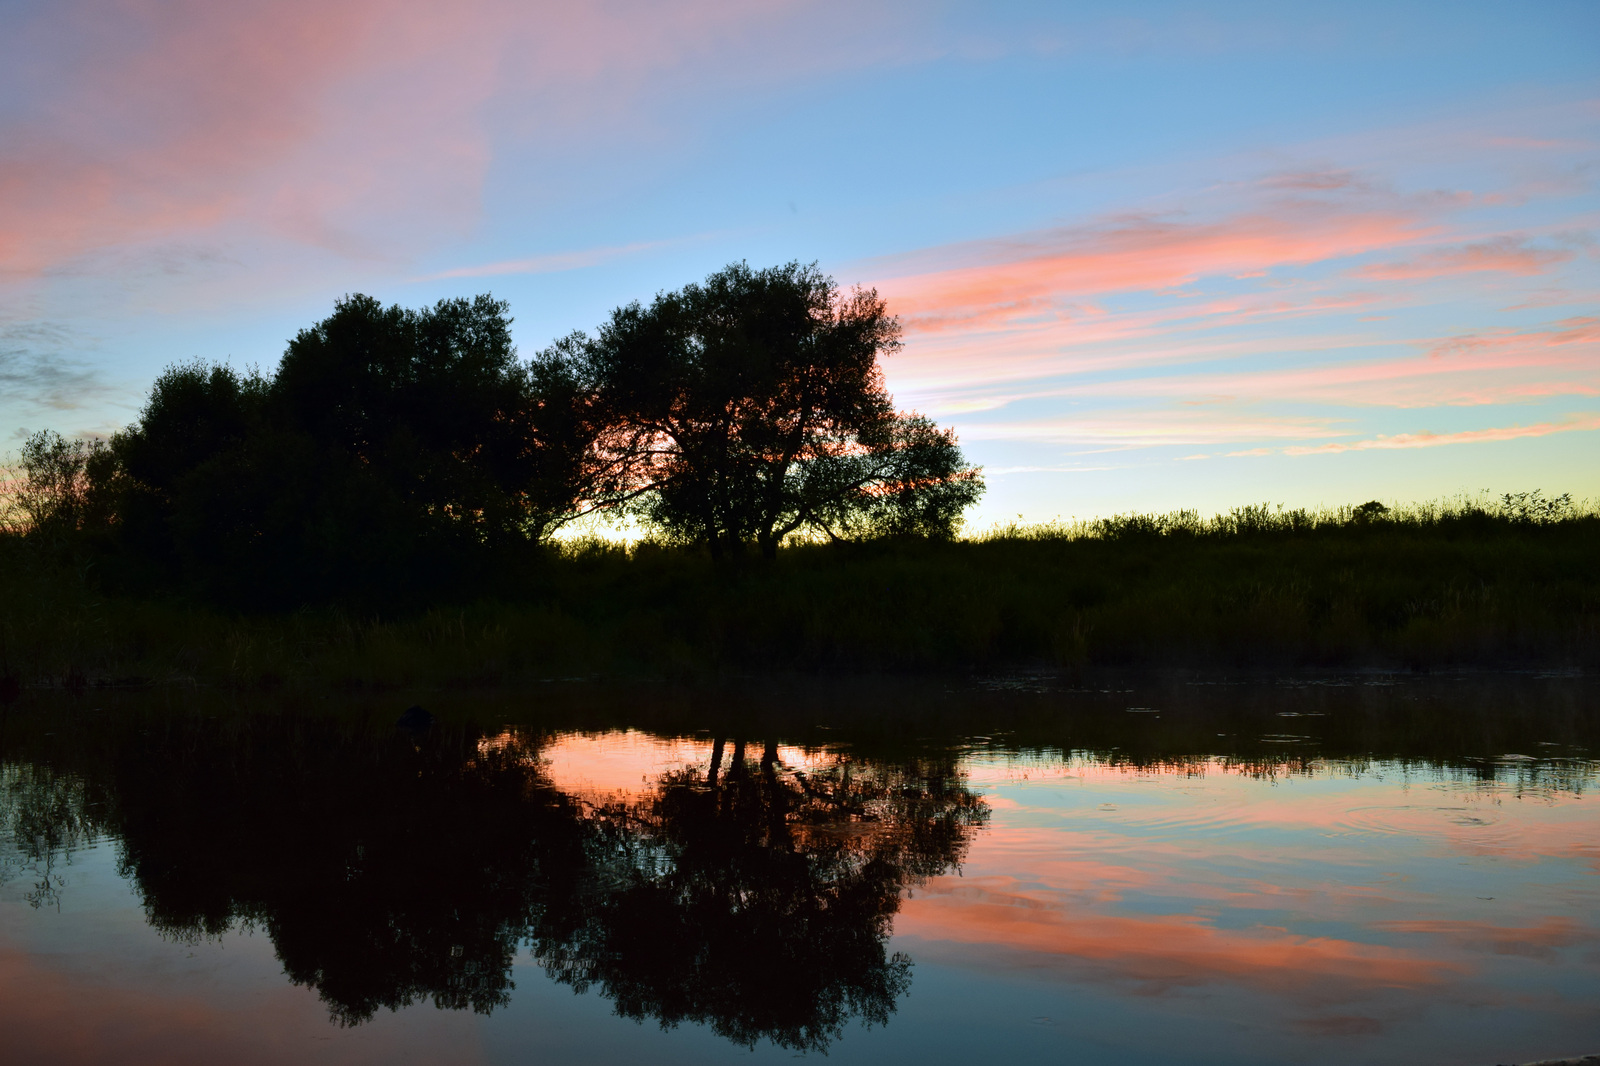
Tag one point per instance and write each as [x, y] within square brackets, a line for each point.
[1517, 583]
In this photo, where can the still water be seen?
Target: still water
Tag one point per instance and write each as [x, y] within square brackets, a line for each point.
[1341, 869]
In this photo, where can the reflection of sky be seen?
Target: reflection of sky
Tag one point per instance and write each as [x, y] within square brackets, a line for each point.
[1195, 912]
[1149, 255]
[1380, 902]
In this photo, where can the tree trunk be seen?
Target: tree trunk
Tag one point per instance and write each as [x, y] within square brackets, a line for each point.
[716, 762]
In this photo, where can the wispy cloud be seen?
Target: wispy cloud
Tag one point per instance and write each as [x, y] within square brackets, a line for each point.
[1561, 359]
[1226, 319]
[40, 379]
[1469, 436]
[1156, 427]
[1506, 255]
[553, 263]
[364, 128]
[1040, 276]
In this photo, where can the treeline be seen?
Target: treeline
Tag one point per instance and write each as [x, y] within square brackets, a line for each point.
[396, 456]
[1463, 584]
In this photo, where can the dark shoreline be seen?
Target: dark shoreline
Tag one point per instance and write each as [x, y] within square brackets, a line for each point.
[1426, 591]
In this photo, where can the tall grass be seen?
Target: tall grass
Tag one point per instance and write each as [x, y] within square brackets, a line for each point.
[1453, 583]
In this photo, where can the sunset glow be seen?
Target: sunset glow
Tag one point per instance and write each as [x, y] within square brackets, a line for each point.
[1336, 254]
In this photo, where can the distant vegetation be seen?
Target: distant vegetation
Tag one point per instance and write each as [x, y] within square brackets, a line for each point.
[1516, 582]
[380, 511]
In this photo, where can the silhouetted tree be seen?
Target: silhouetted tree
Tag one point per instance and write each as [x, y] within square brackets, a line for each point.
[398, 454]
[64, 488]
[427, 400]
[393, 452]
[752, 406]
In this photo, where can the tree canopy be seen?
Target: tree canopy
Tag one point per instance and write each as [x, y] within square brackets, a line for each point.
[402, 453]
[752, 406]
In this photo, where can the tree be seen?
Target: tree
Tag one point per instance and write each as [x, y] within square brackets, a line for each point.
[393, 453]
[427, 400]
[62, 490]
[752, 406]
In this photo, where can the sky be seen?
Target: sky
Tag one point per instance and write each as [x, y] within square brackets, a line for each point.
[1148, 256]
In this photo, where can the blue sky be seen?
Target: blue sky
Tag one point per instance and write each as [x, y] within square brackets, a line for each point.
[1148, 256]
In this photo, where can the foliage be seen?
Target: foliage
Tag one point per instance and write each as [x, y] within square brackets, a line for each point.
[408, 456]
[1431, 585]
[385, 457]
[752, 407]
[1534, 507]
[64, 486]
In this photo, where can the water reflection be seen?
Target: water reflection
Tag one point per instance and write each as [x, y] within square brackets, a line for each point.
[45, 817]
[1382, 871]
[751, 894]
[755, 896]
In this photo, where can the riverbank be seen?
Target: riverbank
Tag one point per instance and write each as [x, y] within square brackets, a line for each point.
[1428, 589]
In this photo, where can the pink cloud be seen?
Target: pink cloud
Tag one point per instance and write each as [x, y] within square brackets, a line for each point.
[1100, 341]
[1471, 436]
[1029, 277]
[1507, 255]
[171, 118]
[1580, 333]
[1154, 428]
[358, 126]
[1505, 366]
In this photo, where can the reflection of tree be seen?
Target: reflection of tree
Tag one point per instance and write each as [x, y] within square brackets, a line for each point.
[752, 897]
[44, 817]
[384, 872]
[759, 902]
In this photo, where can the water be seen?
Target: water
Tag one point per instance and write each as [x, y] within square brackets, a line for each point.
[1310, 870]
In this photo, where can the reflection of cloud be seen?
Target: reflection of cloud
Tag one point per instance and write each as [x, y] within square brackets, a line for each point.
[1228, 879]
[1538, 941]
[598, 767]
[1161, 951]
[54, 1011]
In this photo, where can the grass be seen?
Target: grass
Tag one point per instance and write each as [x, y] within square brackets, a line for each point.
[1430, 586]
